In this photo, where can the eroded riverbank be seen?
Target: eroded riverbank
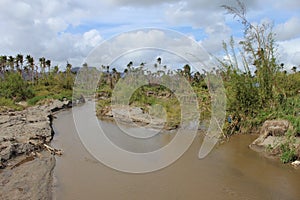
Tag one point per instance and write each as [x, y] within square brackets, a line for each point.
[27, 167]
[230, 171]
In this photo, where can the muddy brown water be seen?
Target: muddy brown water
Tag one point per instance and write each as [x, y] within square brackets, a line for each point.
[230, 171]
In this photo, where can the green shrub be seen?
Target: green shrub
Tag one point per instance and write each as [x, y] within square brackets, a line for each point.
[9, 103]
[36, 99]
[6, 102]
[60, 96]
[288, 153]
[64, 94]
[14, 87]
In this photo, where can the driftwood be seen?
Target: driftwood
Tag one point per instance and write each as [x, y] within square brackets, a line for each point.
[53, 150]
[27, 159]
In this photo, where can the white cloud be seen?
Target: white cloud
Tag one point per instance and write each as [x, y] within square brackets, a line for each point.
[143, 3]
[217, 33]
[288, 4]
[91, 38]
[145, 46]
[68, 30]
[38, 28]
[75, 47]
[290, 52]
[56, 24]
[288, 30]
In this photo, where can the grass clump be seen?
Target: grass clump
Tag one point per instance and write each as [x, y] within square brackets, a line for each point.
[288, 153]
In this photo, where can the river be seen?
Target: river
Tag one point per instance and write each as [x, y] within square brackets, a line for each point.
[230, 171]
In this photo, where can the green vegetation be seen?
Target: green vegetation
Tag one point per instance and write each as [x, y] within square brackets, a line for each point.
[288, 153]
[287, 149]
[6, 104]
[14, 87]
[265, 92]
[23, 80]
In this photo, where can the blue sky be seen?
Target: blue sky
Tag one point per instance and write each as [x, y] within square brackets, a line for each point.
[67, 30]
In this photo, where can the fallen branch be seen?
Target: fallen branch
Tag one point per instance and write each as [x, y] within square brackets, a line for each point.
[53, 150]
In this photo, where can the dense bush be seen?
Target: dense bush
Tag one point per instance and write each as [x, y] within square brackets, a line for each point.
[14, 87]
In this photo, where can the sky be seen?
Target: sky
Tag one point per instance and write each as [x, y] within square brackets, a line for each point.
[68, 30]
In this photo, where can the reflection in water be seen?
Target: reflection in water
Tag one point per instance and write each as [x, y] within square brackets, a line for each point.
[134, 144]
[231, 171]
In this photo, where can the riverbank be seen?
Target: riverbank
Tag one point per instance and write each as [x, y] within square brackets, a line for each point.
[132, 114]
[26, 163]
[277, 141]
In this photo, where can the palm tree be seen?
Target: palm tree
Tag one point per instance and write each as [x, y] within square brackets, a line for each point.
[36, 73]
[142, 64]
[103, 67]
[115, 76]
[42, 64]
[27, 71]
[11, 62]
[55, 69]
[84, 65]
[158, 60]
[114, 70]
[68, 76]
[129, 65]
[157, 64]
[68, 67]
[21, 59]
[3, 63]
[165, 68]
[187, 72]
[109, 77]
[30, 65]
[19, 63]
[48, 65]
